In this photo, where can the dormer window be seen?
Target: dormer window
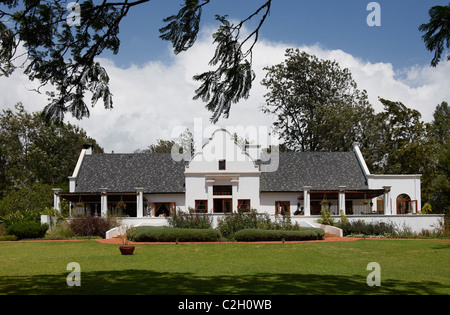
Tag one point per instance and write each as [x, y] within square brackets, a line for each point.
[222, 165]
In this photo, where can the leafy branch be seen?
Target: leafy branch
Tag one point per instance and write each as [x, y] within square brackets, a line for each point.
[63, 56]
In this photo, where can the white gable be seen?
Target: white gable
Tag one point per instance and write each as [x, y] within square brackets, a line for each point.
[221, 147]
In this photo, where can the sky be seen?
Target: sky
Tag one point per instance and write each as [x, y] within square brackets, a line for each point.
[153, 88]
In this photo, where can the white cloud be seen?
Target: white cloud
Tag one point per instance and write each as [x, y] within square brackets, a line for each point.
[151, 100]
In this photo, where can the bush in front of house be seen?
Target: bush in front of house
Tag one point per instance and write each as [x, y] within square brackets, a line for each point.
[234, 222]
[27, 230]
[360, 227]
[190, 220]
[92, 225]
[169, 234]
[258, 235]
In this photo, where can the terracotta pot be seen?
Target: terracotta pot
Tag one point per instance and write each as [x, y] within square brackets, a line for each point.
[126, 249]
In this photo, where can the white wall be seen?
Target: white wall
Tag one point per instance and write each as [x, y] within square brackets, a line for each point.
[268, 201]
[195, 189]
[203, 172]
[400, 184]
[221, 146]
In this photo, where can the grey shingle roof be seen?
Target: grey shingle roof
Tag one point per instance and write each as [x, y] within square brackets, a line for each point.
[320, 170]
[156, 173]
[159, 173]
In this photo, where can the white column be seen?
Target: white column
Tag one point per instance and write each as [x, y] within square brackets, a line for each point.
[209, 187]
[387, 200]
[104, 201]
[140, 202]
[234, 187]
[341, 204]
[56, 198]
[306, 201]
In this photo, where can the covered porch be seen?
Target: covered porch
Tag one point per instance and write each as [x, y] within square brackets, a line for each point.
[128, 204]
[350, 202]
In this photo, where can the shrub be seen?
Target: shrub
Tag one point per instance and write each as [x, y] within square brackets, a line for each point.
[169, 234]
[20, 216]
[232, 223]
[255, 235]
[92, 225]
[190, 220]
[360, 227]
[325, 217]
[4, 238]
[25, 230]
[61, 231]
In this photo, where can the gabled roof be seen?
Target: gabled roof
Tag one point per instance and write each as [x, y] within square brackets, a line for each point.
[156, 173]
[320, 170]
[159, 173]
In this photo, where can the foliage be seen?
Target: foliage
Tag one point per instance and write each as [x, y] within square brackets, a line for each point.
[343, 217]
[34, 150]
[190, 220]
[27, 230]
[319, 108]
[360, 227]
[35, 156]
[437, 32]
[61, 231]
[325, 217]
[27, 201]
[63, 53]
[426, 209]
[234, 222]
[255, 235]
[436, 178]
[21, 216]
[318, 104]
[169, 234]
[7, 238]
[92, 225]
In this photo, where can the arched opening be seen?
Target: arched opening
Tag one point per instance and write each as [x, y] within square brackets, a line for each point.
[405, 205]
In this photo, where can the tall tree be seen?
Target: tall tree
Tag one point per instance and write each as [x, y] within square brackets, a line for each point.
[404, 139]
[437, 180]
[62, 51]
[318, 104]
[34, 150]
[437, 32]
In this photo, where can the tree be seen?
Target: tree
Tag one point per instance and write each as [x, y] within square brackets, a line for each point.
[161, 146]
[437, 32]
[34, 150]
[184, 145]
[61, 52]
[404, 143]
[437, 184]
[318, 105]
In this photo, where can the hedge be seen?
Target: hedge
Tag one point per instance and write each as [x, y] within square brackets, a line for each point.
[27, 230]
[255, 235]
[169, 234]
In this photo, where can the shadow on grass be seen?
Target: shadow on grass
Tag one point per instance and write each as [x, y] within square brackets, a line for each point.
[131, 282]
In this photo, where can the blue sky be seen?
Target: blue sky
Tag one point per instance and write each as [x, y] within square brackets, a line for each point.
[330, 23]
[153, 89]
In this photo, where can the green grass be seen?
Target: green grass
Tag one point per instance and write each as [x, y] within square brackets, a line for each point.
[407, 267]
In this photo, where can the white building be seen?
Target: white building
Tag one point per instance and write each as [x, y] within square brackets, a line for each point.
[224, 177]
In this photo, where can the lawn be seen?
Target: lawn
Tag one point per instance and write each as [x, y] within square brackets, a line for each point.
[407, 267]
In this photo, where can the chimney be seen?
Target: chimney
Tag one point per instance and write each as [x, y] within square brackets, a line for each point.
[89, 148]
